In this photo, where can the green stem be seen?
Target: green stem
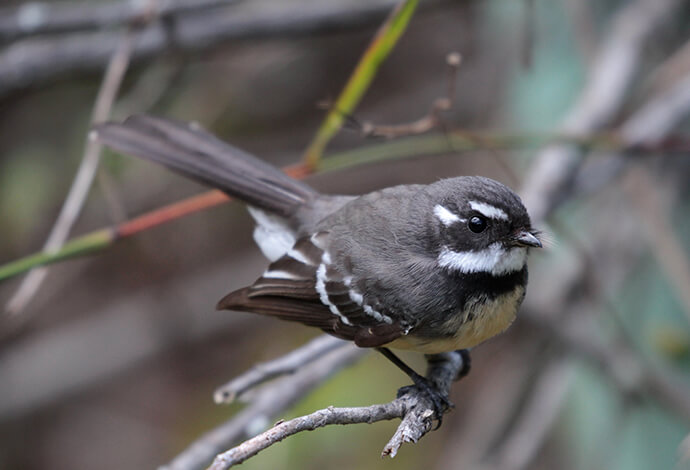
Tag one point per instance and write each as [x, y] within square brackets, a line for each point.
[380, 47]
[76, 247]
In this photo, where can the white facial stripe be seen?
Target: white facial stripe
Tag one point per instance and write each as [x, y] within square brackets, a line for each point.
[495, 260]
[446, 216]
[488, 211]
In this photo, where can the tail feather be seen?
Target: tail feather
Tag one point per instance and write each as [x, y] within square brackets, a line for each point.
[193, 152]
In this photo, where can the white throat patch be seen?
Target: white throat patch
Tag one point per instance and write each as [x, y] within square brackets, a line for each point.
[488, 211]
[495, 260]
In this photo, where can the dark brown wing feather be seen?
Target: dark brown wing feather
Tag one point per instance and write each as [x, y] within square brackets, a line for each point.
[287, 290]
[307, 312]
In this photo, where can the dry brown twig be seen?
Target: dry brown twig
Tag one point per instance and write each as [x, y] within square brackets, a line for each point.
[431, 120]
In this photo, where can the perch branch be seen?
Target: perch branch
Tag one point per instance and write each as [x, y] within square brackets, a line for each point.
[266, 404]
[413, 406]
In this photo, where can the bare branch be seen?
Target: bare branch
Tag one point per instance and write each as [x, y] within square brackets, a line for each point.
[310, 422]
[443, 370]
[267, 403]
[413, 406]
[36, 60]
[284, 365]
[36, 18]
[612, 73]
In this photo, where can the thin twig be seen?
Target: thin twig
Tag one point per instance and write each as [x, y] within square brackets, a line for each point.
[84, 178]
[284, 365]
[429, 121]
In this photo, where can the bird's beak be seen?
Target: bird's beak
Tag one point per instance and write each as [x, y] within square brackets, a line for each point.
[525, 238]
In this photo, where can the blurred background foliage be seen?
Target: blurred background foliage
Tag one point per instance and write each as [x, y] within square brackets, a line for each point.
[114, 363]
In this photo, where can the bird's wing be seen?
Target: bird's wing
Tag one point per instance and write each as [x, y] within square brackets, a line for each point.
[305, 287]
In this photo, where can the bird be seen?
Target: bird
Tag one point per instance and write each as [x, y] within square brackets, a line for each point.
[425, 267]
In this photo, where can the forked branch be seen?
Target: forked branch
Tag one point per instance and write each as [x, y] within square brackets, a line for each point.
[413, 406]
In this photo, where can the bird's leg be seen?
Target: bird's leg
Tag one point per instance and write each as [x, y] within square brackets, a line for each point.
[466, 363]
[438, 398]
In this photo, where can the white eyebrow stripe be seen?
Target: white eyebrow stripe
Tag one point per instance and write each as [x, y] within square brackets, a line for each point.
[495, 260]
[488, 211]
[446, 217]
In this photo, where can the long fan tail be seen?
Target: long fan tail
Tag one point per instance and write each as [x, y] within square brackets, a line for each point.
[193, 152]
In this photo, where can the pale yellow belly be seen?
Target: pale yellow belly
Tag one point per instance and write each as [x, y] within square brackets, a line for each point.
[489, 319]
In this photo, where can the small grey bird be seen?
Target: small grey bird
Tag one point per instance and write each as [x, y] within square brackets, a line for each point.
[431, 268]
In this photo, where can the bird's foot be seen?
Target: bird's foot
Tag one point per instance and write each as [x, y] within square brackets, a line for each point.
[438, 399]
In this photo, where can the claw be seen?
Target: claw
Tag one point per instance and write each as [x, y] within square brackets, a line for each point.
[439, 400]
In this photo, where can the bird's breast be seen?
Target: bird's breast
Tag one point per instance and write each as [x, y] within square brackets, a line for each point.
[480, 319]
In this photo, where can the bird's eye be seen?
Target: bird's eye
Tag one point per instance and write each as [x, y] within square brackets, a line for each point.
[477, 224]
